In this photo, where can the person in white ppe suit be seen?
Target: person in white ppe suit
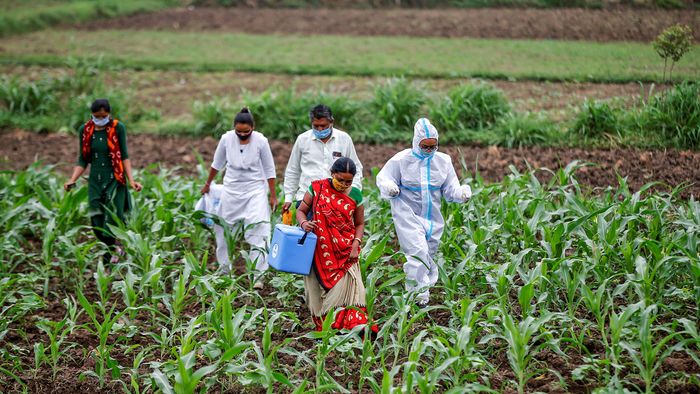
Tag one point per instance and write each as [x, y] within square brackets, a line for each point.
[250, 175]
[415, 181]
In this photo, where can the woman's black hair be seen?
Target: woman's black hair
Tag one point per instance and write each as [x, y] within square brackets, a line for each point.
[244, 117]
[344, 165]
[100, 104]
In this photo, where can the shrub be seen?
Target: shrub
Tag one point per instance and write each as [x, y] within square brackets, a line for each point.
[516, 130]
[470, 107]
[596, 119]
[284, 114]
[674, 116]
[396, 106]
[214, 117]
[60, 103]
[19, 97]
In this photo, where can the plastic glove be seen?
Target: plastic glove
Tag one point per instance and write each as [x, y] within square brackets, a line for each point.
[465, 192]
[389, 188]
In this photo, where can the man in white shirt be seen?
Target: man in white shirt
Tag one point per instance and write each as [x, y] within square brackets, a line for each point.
[313, 154]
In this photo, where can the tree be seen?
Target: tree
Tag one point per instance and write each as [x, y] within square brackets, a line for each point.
[673, 43]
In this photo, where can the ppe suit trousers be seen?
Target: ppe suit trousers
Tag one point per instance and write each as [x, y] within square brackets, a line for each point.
[420, 268]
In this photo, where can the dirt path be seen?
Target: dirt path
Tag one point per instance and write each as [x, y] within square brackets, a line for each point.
[558, 24]
[19, 149]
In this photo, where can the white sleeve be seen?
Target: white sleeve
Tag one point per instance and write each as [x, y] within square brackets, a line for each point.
[220, 155]
[292, 173]
[452, 191]
[389, 177]
[268, 163]
[357, 181]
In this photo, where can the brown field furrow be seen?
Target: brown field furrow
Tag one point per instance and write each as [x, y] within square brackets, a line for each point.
[19, 149]
[557, 24]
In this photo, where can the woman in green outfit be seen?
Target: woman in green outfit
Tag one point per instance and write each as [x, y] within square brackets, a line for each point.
[102, 142]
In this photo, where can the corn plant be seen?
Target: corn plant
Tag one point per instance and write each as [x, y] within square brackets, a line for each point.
[57, 333]
[102, 328]
[527, 267]
[520, 337]
[648, 355]
[187, 377]
[262, 370]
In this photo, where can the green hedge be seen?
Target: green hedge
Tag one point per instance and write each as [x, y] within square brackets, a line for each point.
[39, 16]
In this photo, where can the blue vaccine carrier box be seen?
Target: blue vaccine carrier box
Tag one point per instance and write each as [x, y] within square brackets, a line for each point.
[292, 249]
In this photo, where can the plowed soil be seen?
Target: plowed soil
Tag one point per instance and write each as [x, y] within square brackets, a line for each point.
[19, 149]
[557, 24]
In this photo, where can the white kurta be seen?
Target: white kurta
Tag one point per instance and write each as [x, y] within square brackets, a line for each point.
[311, 159]
[423, 181]
[244, 197]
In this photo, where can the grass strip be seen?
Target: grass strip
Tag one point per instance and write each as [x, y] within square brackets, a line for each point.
[542, 60]
[32, 17]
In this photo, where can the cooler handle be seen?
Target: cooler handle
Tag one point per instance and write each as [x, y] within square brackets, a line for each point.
[303, 238]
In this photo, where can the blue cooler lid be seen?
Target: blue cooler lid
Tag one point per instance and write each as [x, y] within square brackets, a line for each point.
[293, 230]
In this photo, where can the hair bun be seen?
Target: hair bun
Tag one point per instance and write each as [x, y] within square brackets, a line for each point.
[245, 110]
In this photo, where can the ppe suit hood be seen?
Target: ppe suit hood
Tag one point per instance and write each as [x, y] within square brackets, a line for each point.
[423, 129]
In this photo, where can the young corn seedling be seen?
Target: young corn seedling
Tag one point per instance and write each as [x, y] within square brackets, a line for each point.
[329, 342]
[410, 367]
[520, 338]
[618, 328]
[230, 328]
[103, 280]
[134, 385]
[176, 303]
[462, 343]
[646, 353]
[404, 320]
[102, 328]
[263, 370]
[57, 333]
[129, 292]
[187, 378]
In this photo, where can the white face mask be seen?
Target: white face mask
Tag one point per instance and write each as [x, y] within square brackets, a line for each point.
[100, 122]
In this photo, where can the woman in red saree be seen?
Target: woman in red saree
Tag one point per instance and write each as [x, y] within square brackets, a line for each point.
[335, 281]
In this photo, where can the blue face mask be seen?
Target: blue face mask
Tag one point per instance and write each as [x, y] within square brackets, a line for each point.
[323, 134]
[100, 122]
[428, 151]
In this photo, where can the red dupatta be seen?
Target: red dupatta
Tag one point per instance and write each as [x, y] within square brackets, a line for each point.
[115, 152]
[334, 211]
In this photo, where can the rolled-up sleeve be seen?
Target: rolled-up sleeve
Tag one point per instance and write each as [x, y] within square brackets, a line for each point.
[292, 173]
[451, 189]
[268, 162]
[220, 155]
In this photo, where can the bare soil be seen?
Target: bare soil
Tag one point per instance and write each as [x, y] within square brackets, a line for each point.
[19, 149]
[622, 24]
